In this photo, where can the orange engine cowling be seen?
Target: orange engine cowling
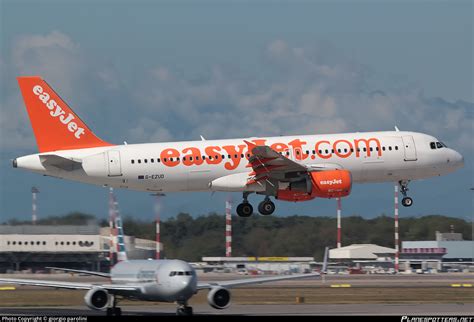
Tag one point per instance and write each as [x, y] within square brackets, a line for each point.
[322, 184]
[331, 183]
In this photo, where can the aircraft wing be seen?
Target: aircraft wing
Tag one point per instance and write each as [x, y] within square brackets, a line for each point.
[72, 285]
[267, 164]
[80, 271]
[257, 280]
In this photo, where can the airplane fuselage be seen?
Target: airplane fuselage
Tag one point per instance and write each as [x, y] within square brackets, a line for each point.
[193, 165]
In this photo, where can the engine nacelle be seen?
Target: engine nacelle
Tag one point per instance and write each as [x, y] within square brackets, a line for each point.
[321, 184]
[331, 183]
[219, 298]
[98, 299]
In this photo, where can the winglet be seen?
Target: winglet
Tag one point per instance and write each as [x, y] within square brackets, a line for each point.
[250, 145]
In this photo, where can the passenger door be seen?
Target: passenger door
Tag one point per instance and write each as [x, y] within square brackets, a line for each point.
[409, 147]
[115, 168]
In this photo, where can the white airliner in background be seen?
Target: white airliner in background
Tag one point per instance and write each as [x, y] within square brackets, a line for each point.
[290, 168]
[152, 280]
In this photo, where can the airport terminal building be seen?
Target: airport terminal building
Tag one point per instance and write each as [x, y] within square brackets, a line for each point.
[33, 247]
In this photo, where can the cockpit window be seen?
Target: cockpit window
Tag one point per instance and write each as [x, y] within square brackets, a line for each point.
[433, 145]
[187, 273]
[439, 145]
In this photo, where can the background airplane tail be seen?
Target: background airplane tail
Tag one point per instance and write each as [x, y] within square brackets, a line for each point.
[55, 125]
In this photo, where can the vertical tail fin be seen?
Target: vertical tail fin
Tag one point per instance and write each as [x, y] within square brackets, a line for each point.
[55, 125]
[121, 250]
[325, 263]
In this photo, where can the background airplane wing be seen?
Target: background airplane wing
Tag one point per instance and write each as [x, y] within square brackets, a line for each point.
[257, 280]
[71, 285]
[79, 271]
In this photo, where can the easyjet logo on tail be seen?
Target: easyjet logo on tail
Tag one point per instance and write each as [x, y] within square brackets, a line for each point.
[57, 112]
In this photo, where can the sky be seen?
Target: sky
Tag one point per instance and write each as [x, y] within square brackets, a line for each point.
[155, 71]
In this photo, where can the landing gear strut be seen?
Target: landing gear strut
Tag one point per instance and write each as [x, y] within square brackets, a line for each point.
[266, 207]
[406, 201]
[183, 309]
[245, 209]
[114, 310]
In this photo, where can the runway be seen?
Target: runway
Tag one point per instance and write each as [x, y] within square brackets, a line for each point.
[336, 295]
[238, 309]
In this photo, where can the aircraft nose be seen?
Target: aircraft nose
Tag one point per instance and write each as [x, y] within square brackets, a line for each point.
[457, 159]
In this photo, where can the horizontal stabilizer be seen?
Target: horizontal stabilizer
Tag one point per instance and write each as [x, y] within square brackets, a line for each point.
[66, 164]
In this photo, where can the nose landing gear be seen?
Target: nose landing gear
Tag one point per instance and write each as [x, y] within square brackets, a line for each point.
[406, 201]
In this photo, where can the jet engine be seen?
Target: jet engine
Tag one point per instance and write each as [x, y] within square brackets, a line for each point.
[219, 298]
[97, 299]
[321, 184]
[331, 183]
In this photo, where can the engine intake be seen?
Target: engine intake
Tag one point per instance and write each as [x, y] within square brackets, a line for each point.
[97, 299]
[219, 298]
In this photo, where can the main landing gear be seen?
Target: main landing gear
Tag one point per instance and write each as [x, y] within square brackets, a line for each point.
[406, 201]
[245, 209]
[114, 310]
[183, 309]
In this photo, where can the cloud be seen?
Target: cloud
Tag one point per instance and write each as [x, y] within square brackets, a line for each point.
[300, 91]
[296, 90]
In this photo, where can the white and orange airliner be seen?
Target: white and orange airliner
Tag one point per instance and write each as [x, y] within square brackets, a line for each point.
[289, 168]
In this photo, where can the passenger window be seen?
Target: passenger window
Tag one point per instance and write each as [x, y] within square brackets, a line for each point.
[184, 158]
[314, 152]
[390, 148]
[133, 161]
[383, 148]
[152, 160]
[164, 160]
[365, 149]
[396, 147]
[326, 151]
[146, 161]
[371, 149]
[139, 161]
[158, 160]
[171, 159]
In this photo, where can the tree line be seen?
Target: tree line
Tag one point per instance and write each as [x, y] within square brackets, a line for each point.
[190, 238]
